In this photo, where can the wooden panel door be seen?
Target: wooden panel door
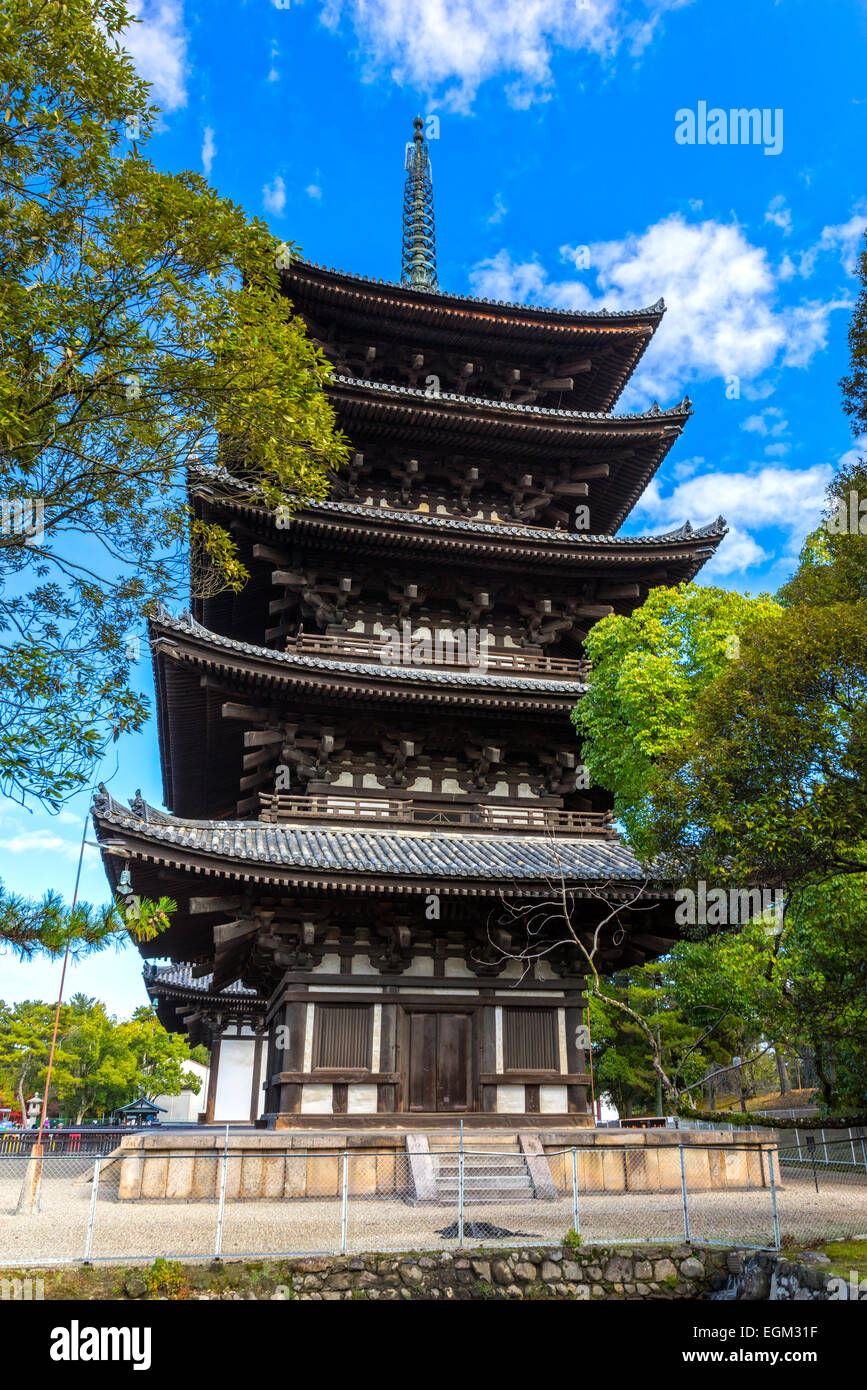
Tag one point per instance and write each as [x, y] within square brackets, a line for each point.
[421, 1084]
[440, 1062]
[454, 1059]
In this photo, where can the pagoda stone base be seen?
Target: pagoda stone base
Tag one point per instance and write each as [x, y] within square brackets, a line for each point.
[398, 1166]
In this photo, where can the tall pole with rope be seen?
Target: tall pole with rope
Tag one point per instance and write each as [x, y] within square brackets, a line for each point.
[30, 1198]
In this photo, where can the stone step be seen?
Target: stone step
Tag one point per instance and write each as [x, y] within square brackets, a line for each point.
[496, 1169]
[500, 1182]
[474, 1142]
[501, 1165]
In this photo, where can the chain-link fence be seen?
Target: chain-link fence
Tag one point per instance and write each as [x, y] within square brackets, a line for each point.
[207, 1203]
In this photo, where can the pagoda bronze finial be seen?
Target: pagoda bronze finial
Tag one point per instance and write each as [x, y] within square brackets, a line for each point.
[418, 258]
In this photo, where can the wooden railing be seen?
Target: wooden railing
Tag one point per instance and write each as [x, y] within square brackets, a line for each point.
[352, 647]
[278, 808]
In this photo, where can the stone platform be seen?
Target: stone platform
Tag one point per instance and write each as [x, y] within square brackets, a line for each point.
[286, 1165]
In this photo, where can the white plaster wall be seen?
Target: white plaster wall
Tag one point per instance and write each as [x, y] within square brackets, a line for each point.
[510, 1100]
[329, 964]
[422, 965]
[361, 1099]
[456, 968]
[234, 1079]
[316, 1098]
[553, 1100]
[185, 1108]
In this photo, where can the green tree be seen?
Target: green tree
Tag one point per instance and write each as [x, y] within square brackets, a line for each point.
[143, 328]
[650, 672]
[47, 926]
[25, 1040]
[99, 1063]
[143, 334]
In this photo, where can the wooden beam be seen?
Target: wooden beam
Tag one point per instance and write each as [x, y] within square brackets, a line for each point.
[266, 552]
[256, 779]
[214, 905]
[252, 714]
[257, 738]
[583, 364]
[228, 932]
[593, 610]
[614, 591]
[263, 758]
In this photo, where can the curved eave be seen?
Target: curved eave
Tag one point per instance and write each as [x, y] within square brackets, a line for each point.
[201, 763]
[284, 671]
[381, 531]
[180, 995]
[458, 321]
[389, 295]
[479, 410]
[297, 858]
[398, 416]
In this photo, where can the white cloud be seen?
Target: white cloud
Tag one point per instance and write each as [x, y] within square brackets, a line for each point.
[273, 75]
[274, 196]
[158, 46]
[499, 212]
[771, 421]
[450, 47]
[739, 551]
[789, 501]
[42, 841]
[720, 290]
[687, 467]
[313, 190]
[758, 390]
[843, 239]
[780, 214]
[855, 454]
[847, 238]
[209, 149]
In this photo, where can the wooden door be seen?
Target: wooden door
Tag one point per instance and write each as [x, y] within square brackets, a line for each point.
[440, 1062]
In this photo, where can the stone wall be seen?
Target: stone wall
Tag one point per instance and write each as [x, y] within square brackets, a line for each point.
[271, 1166]
[557, 1273]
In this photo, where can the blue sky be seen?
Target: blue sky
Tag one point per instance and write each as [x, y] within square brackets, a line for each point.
[557, 180]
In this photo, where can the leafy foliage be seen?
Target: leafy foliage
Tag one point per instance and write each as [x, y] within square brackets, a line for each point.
[733, 734]
[143, 331]
[99, 1063]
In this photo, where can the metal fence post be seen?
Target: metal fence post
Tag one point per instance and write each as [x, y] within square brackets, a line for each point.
[776, 1214]
[90, 1220]
[575, 1226]
[218, 1247]
[344, 1202]
[683, 1194]
[461, 1195]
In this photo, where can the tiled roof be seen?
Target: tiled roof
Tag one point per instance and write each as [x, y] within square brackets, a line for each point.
[401, 854]
[371, 670]
[361, 280]
[180, 976]
[533, 533]
[495, 530]
[416, 395]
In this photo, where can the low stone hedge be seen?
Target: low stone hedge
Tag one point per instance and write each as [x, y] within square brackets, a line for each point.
[558, 1272]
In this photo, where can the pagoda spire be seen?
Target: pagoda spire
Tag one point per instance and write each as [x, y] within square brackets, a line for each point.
[418, 257]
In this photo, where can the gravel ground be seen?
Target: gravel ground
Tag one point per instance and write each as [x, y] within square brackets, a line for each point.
[143, 1230]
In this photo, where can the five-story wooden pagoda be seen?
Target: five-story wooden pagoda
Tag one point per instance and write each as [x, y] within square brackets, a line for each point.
[368, 751]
